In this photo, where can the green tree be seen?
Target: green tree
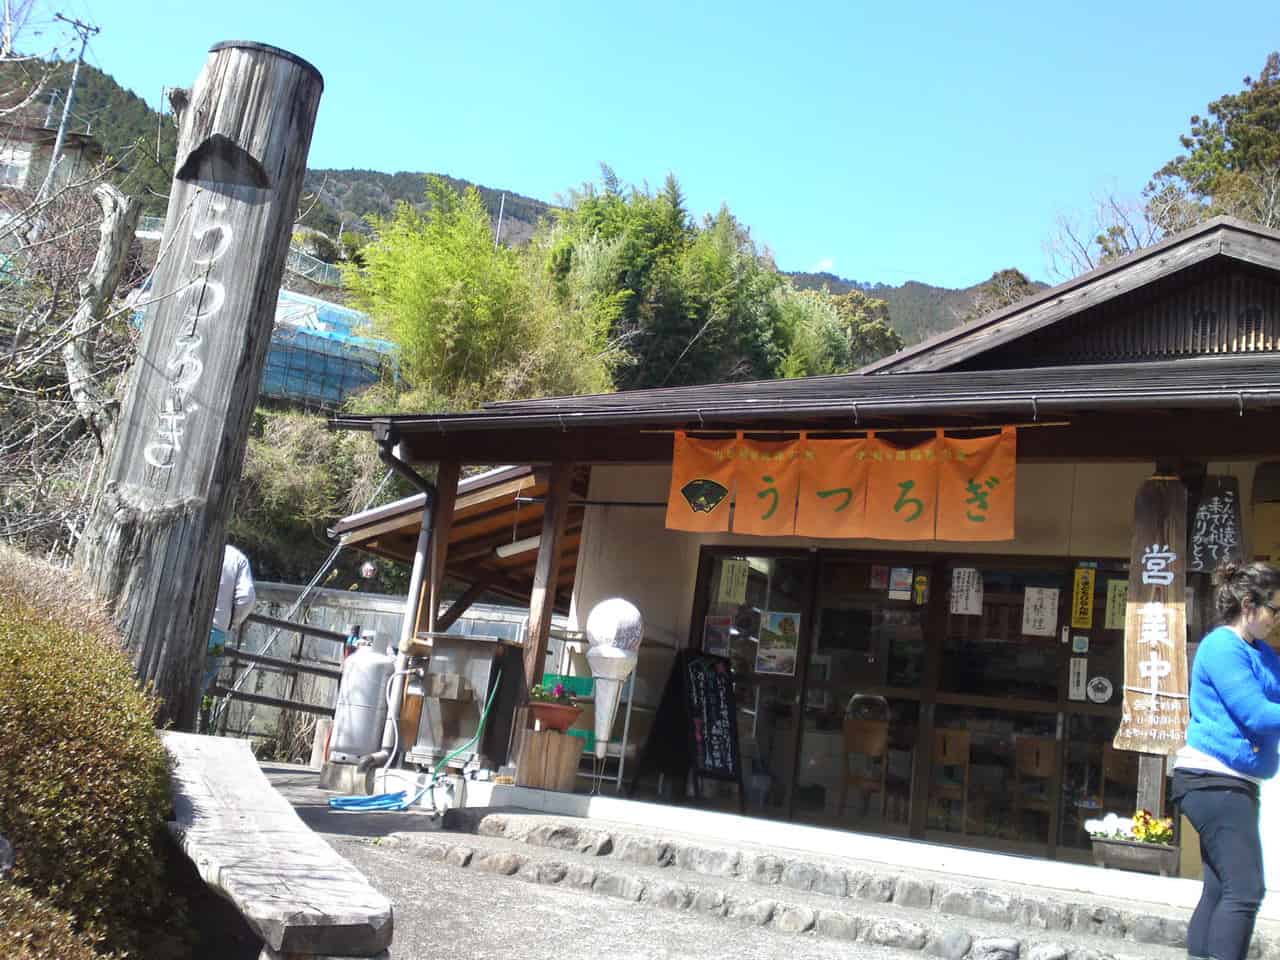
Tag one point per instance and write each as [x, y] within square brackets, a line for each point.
[867, 328]
[1005, 287]
[474, 320]
[1232, 159]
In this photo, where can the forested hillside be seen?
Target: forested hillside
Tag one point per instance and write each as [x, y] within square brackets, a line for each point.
[346, 197]
[917, 310]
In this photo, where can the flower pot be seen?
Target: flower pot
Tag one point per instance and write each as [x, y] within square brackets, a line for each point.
[1161, 858]
[554, 716]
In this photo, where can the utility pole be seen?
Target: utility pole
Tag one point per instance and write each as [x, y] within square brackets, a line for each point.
[86, 31]
[6, 37]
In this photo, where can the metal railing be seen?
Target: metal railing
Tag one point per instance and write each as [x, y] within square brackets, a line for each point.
[298, 262]
[251, 660]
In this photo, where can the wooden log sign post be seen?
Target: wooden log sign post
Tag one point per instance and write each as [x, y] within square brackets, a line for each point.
[1156, 709]
[153, 546]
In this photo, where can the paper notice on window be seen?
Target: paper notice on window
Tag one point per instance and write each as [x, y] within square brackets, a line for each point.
[1078, 678]
[1117, 597]
[733, 581]
[966, 592]
[1040, 612]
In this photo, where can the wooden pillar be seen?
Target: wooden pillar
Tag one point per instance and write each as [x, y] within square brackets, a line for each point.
[441, 525]
[542, 599]
[153, 547]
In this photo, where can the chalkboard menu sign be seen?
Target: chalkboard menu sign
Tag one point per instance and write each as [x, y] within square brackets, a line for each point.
[1215, 528]
[695, 731]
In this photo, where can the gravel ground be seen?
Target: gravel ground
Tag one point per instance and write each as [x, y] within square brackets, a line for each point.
[442, 911]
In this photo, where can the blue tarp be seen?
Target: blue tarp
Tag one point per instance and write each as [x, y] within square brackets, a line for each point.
[316, 357]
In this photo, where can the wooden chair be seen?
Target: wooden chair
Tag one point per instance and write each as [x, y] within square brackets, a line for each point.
[869, 738]
[1035, 760]
[951, 749]
[1119, 767]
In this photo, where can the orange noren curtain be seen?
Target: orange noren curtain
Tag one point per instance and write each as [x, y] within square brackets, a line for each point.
[976, 487]
[901, 490]
[833, 489]
[701, 483]
[767, 477]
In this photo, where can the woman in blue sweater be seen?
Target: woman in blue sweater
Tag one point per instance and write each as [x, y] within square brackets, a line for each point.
[1233, 744]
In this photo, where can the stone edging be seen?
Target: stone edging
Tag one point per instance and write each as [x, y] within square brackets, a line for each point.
[954, 899]
[945, 939]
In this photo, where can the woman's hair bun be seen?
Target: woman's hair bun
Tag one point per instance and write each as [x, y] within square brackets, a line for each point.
[1227, 571]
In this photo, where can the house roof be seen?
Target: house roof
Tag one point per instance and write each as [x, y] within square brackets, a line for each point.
[934, 390]
[1220, 237]
[494, 508]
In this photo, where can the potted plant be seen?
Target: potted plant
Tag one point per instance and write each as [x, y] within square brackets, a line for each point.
[553, 708]
[1143, 842]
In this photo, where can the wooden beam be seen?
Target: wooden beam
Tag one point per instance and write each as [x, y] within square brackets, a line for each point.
[459, 606]
[543, 596]
[1119, 436]
[442, 522]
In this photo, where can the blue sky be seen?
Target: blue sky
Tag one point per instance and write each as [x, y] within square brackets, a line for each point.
[883, 141]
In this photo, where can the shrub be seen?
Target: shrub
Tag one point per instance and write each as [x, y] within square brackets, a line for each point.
[84, 783]
[32, 930]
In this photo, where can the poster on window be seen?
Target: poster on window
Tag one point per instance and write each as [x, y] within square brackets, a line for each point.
[715, 635]
[1040, 612]
[779, 638]
[966, 592]
[1077, 678]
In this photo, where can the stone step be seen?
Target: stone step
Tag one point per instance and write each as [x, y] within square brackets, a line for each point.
[803, 896]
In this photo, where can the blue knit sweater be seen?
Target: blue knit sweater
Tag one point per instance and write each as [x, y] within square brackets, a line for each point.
[1235, 703]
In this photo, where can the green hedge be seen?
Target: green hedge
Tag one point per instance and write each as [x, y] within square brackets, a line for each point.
[84, 779]
[32, 930]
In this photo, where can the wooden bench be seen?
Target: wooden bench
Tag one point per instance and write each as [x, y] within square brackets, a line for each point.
[250, 846]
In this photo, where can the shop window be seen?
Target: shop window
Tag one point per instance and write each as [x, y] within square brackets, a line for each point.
[992, 774]
[856, 760]
[755, 615]
[1002, 634]
[870, 630]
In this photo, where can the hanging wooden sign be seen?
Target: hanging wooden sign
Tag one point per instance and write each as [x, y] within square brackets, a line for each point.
[1155, 708]
[701, 482]
[1215, 529]
[976, 487]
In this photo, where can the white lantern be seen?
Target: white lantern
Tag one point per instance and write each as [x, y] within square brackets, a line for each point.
[614, 631]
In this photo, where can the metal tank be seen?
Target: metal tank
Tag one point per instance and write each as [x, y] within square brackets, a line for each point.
[361, 710]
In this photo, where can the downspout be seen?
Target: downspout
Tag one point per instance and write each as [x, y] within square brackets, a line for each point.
[386, 437]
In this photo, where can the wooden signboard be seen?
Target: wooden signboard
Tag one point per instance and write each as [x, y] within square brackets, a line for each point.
[1216, 527]
[152, 549]
[1155, 710]
[695, 731]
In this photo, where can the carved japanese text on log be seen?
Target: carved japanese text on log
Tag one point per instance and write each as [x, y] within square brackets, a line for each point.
[1155, 711]
[153, 548]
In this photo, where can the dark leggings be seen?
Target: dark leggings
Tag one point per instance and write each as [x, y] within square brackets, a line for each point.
[1227, 821]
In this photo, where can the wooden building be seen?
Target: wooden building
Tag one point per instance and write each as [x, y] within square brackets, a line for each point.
[998, 736]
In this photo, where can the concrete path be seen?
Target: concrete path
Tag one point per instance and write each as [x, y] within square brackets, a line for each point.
[441, 911]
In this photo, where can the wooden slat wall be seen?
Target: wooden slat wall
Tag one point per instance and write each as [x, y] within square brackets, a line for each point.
[1218, 312]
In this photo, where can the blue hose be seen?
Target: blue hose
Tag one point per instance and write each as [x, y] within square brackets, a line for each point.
[399, 800]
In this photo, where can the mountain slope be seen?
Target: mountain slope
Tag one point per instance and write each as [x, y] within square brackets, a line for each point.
[346, 197]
